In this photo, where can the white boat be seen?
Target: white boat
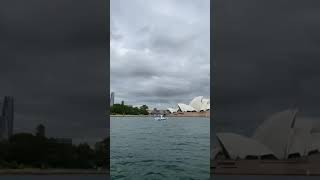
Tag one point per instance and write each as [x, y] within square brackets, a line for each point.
[160, 118]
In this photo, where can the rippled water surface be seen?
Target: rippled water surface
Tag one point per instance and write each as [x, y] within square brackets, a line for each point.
[142, 148]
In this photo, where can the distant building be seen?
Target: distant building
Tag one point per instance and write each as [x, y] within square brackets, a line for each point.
[112, 99]
[150, 111]
[164, 111]
[6, 117]
[155, 111]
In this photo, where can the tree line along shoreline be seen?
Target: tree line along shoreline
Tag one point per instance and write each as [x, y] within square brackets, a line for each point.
[122, 109]
[36, 151]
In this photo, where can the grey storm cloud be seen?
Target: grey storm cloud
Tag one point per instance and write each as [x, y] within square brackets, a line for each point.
[160, 51]
[266, 59]
[53, 61]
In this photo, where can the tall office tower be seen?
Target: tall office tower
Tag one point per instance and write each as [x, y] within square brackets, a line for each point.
[6, 119]
[112, 99]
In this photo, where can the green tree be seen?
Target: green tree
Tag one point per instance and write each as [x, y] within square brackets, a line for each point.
[102, 152]
[125, 109]
[144, 109]
[25, 148]
[35, 151]
[85, 156]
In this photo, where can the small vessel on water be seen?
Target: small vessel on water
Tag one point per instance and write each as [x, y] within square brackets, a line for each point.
[160, 118]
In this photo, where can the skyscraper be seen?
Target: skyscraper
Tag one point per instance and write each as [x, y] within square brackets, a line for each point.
[112, 99]
[6, 118]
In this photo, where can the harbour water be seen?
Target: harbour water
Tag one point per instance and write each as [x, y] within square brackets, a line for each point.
[177, 148]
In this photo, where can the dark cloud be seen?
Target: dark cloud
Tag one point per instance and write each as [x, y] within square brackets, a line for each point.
[54, 62]
[266, 57]
[162, 57]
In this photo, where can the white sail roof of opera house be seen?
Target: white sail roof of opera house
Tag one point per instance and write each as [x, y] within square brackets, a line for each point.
[304, 138]
[185, 107]
[205, 104]
[197, 104]
[240, 146]
[300, 142]
[200, 104]
[275, 132]
[315, 142]
[172, 110]
[282, 134]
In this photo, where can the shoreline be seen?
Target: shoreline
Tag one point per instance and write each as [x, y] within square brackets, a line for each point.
[294, 167]
[153, 116]
[130, 115]
[53, 172]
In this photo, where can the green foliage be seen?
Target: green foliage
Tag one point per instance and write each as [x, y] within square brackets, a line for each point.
[102, 150]
[128, 110]
[37, 151]
[143, 109]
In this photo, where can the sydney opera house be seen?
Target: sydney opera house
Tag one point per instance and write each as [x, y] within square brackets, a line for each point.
[198, 104]
[281, 145]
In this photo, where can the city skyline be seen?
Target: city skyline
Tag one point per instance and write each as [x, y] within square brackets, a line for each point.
[56, 71]
[158, 57]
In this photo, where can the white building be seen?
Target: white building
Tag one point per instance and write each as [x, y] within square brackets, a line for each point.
[279, 137]
[197, 104]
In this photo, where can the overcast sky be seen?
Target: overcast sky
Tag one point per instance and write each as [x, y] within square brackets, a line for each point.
[267, 57]
[160, 51]
[53, 61]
